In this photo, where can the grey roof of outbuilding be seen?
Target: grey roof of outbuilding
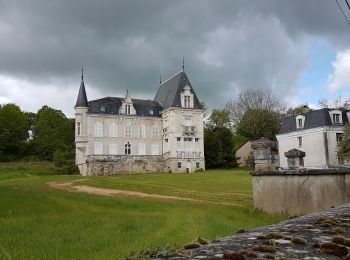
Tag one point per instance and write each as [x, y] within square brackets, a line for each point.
[168, 93]
[111, 105]
[82, 98]
[313, 119]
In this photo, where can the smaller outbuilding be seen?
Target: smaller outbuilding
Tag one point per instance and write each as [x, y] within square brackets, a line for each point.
[315, 133]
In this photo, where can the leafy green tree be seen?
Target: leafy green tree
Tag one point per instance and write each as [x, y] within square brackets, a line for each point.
[218, 141]
[219, 118]
[300, 109]
[344, 144]
[13, 132]
[52, 131]
[257, 123]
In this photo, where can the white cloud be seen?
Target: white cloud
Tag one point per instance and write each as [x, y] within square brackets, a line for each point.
[31, 96]
[340, 78]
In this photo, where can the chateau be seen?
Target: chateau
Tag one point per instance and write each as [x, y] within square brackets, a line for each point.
[116, 135]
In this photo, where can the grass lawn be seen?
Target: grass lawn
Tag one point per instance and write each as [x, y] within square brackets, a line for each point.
[39, 222]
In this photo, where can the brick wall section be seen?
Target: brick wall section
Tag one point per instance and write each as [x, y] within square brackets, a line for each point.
[314, 232]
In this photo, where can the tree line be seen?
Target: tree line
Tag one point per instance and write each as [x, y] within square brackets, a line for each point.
[46, 135]
[49, 135]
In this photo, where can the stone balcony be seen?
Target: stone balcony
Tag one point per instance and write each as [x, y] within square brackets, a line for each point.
[189, 130]
[185, 154]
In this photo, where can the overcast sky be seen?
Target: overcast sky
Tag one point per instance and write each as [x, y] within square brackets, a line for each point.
[298, 48]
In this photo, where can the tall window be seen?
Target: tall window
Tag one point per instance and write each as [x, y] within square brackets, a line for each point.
[127, 109]
[142, 149]
[155, 132]
[300, 141]
[78, 128]
[98, 129]
[127, 148]
[98, 148]
[154, 149]
[113, 149]
[187, 101]
[300, 123]
[142, 131]
[127, 131]
[113, 130]
[336, 118]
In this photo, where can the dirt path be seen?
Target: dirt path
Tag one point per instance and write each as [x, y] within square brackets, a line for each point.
[69, 186]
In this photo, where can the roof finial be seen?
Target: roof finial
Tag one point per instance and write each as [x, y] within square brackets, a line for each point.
[183, 63]
[160, 79]
[82, 73]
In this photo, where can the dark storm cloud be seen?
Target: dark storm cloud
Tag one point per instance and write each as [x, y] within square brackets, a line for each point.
[228, 45]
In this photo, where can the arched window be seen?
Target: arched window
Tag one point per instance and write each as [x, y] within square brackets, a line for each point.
[128, 148]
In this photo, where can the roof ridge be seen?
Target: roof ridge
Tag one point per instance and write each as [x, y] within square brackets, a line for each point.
[171, 77]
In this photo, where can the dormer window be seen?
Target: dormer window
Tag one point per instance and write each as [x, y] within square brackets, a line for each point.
[187, 102]
[127, 109]
[186, 97]
[300, 121]
[336, 117]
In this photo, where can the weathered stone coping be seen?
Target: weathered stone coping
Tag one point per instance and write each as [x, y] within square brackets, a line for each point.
[329, 171]
[308, 228]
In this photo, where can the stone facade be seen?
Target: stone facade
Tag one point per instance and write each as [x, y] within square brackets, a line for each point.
[126, 135]
[265, 155]
[316, 133]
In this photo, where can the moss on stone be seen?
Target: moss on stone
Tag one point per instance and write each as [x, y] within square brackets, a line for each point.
[340, 240]
[274, 235]
[334, 249]
[338, 230]
[201, 241]
[192, 245]
[233, 256]
[265, 248]
[299, 240]
[240, 231]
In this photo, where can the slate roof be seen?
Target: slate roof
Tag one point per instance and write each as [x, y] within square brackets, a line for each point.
[168, 93]
[111, 105]
[313, 119]
[81, 99]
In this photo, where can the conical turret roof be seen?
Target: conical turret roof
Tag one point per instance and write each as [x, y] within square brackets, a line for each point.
[82, 99]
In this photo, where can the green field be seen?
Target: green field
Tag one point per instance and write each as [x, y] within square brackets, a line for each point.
[39, 222]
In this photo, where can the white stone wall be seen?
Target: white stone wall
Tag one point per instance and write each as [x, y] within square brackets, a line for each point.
[185, 124]
[314, 144]
[121, 122]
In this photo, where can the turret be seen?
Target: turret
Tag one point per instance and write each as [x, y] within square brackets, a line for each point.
[81, 107]
[81, 99]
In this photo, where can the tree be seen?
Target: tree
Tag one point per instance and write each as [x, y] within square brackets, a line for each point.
[337, 103]
[52, 131]
[344, 144]
[254, 99]
[218, 141]
[13, 132]
[257, 123]
[219, 118]
[300, 109]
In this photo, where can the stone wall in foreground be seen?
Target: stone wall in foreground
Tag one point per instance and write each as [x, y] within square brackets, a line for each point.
[308, 237]
[301, 191]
